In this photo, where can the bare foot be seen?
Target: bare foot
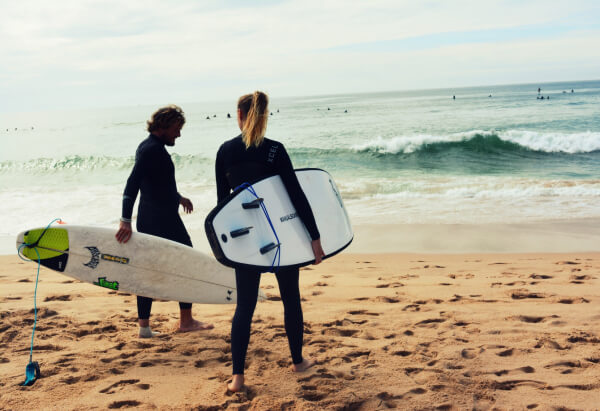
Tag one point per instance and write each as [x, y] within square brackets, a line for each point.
[236, 384]
[194, 325]
[146, 332]
[303, 366]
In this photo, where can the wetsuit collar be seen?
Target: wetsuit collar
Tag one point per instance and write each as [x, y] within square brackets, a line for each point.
[157, 138]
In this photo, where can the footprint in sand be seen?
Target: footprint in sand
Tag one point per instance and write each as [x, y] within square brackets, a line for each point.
[567, 367]
[580, 278]
[118, 386]
[540, 276]
[506, 353]
[124, 404]
[339, 332]
[430, 323]
[512, 384]
[360, 312]
[522, 294]
[388, 400]
[65, 297]
[532, 319]
[583, 337]
[515, 283]
[526, 370]
[70, 380]
[383, 299]
[546, 342]
[576, 300]
[390, 285]
[469, 353]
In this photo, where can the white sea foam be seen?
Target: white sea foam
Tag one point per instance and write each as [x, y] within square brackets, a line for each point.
[470, 200]
[554, 142]
[538, 141]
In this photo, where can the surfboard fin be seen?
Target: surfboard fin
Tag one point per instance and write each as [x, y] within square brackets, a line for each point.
[268, 247]
[253, 204]
[240, 232]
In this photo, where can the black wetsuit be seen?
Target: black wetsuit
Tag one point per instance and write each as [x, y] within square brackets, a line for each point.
[153, 175]
[236, 165]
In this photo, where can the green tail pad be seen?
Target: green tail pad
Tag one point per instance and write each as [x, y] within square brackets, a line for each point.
[52, 244]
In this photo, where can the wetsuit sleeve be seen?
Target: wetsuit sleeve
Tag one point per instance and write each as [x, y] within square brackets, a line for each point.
[133, 184]
[299, 200]
[223, 188]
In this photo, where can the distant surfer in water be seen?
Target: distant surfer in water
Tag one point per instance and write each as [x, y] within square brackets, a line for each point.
[153, 175]
[250, 157]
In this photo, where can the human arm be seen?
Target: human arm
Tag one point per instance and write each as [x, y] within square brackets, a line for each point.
[297, 196]
[124, 233]
[129, 196]
[223, 188]
[317, 251]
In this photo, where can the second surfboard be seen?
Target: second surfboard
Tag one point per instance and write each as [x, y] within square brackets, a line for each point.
[240, 234]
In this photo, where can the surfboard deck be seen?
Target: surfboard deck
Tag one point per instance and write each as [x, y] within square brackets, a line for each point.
[146, 265]
[240, 235]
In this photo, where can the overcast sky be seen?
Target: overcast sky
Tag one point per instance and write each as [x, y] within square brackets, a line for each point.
[79, 53]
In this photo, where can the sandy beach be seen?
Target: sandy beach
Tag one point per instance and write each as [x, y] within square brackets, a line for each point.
[388, 331]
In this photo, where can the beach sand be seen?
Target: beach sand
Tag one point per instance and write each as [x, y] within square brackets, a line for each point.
[388, 331]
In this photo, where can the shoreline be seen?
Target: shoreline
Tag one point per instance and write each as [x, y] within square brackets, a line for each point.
[578, 235]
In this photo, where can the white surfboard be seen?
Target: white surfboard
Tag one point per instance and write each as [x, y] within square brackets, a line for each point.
[146, 265]
[240, 234]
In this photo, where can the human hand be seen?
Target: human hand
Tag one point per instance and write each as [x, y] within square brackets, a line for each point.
[317, 251]
[124, 233]
[188, 207]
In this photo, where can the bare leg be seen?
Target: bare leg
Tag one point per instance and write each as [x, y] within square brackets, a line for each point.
[187, 322]
[237, 382]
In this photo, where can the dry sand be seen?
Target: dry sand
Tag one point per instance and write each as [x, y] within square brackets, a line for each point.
[388, 331]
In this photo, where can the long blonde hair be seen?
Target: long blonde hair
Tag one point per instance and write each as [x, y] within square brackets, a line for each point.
[255, 109]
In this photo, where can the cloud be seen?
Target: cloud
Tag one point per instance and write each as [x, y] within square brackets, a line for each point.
[114, 52]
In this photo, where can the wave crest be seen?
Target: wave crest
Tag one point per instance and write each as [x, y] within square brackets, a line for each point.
[482, 141]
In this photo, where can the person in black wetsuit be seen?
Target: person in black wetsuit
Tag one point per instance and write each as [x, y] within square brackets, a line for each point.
[153, 175]
[247, 158]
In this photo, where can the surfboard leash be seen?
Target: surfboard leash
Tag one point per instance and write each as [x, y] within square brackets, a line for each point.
[32, 370]
[277, 256]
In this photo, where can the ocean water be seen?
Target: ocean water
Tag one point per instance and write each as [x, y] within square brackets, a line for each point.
[494, 154]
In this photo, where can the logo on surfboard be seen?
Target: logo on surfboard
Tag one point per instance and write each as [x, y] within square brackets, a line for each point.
[103, 282]
[288, 217]
[97, 255]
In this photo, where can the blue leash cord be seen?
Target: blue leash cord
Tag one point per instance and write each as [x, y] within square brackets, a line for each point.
[32, 370]
[34, 294]
[277, 255]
